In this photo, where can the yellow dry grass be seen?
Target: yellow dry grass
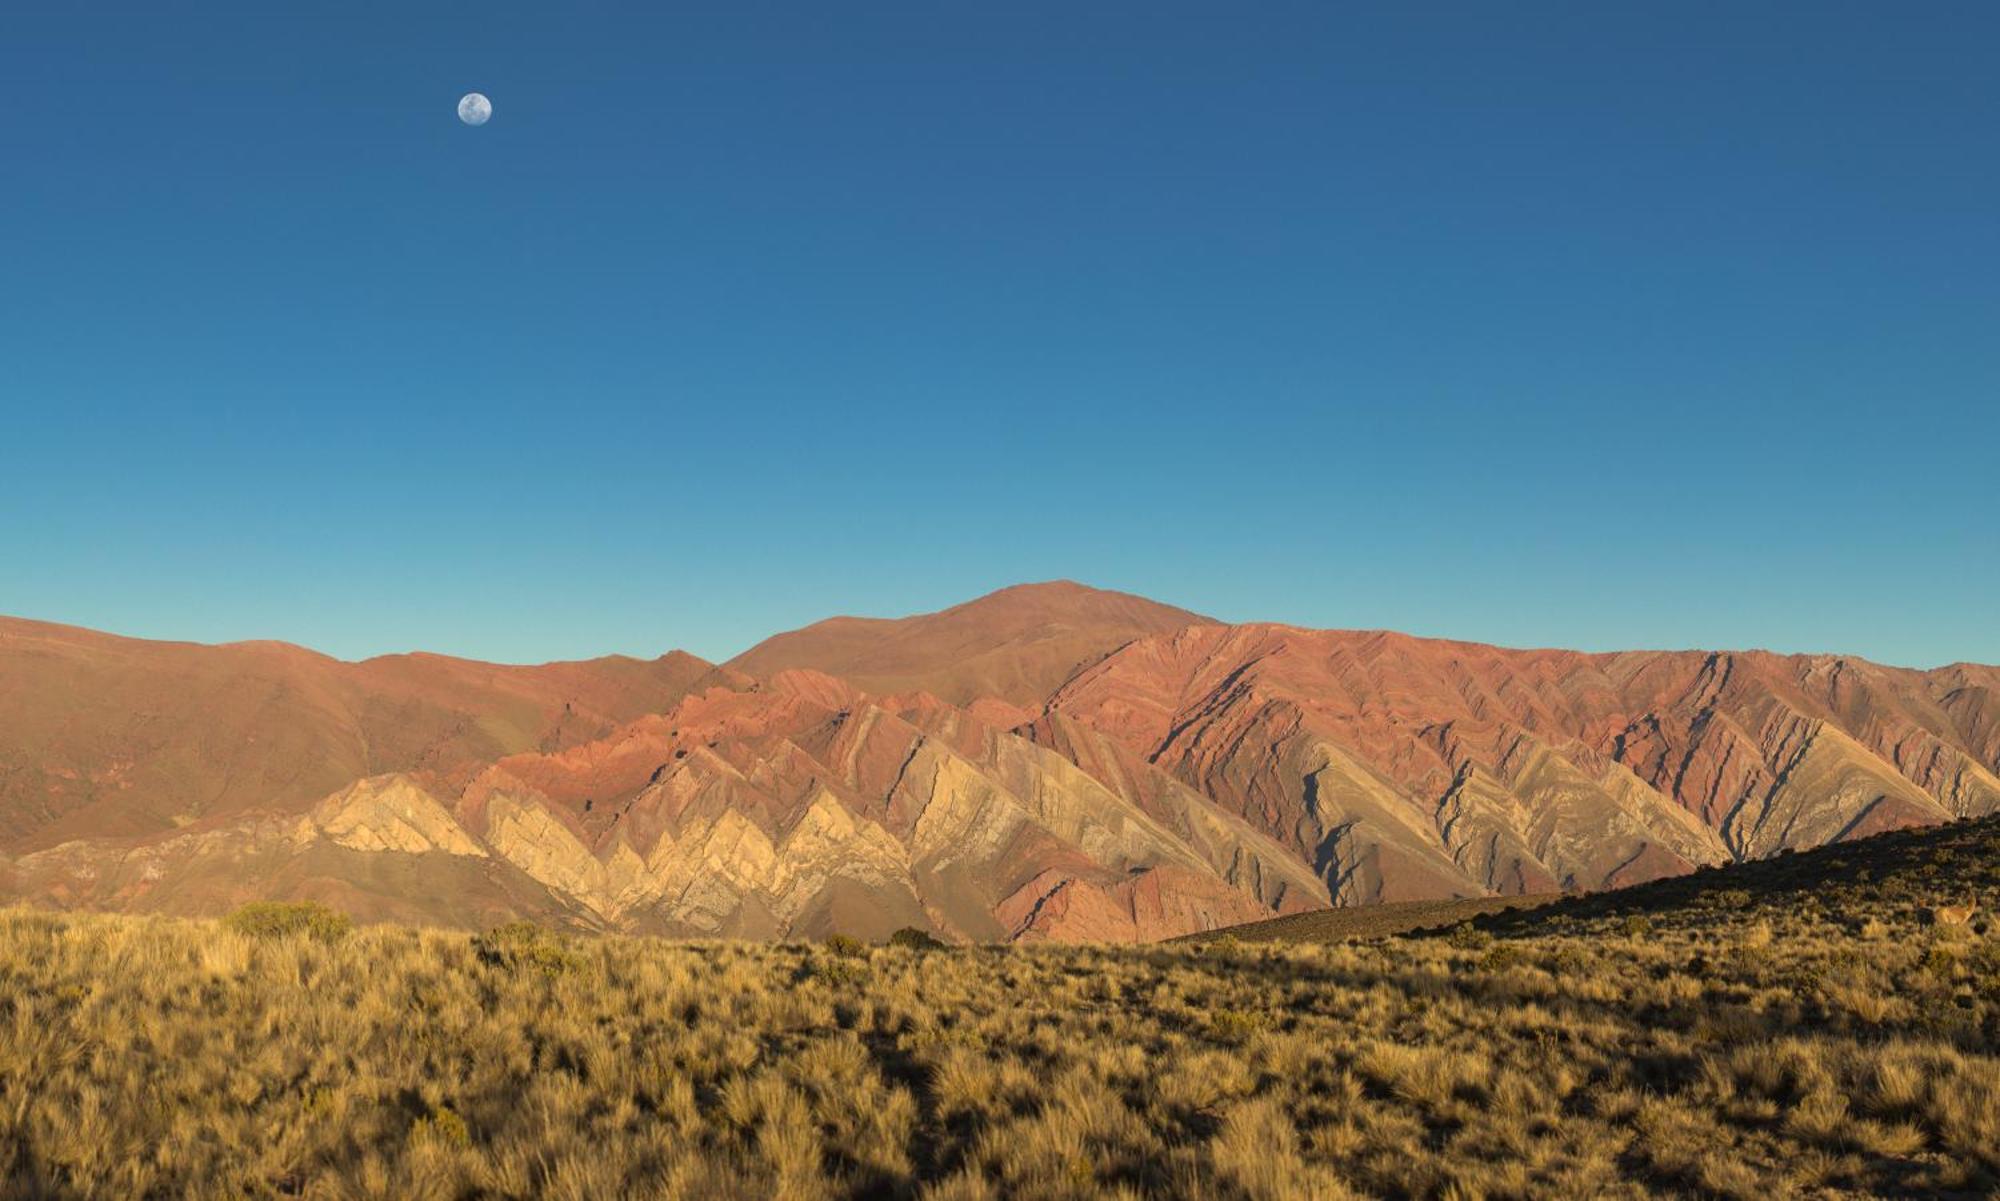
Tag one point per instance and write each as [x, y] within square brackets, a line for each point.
[1759, 1051]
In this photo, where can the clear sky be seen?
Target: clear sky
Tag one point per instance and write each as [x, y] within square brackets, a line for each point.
[1596, 325]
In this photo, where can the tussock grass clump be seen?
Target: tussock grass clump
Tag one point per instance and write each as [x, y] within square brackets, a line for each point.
[289, 919]
[526, 947]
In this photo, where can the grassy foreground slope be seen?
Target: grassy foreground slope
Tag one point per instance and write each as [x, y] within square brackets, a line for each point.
[1739, 1043]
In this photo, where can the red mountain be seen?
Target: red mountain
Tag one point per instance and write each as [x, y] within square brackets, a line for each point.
[101, 735]
[1048, 761]
[1404, 767]
[1016, 645]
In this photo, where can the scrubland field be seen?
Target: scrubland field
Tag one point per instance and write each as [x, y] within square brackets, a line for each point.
[1805, 1027]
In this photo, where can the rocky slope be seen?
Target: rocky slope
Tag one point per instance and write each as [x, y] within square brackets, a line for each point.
[1047, 762]
[1403, 768]
[101, 735]
[750, 808]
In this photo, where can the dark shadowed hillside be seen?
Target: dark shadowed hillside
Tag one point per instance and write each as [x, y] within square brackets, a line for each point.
[1905, 873]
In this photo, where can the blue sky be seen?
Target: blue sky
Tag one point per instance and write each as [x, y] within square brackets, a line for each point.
[1545, 324]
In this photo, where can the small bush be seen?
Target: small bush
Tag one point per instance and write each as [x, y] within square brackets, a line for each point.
[289, 919]
[1235, 1025]
[1568, 961]
[1636, 925]
[842, 944]
[442, 1126]
[840, 972]
[1939, 960]
[1468, 937]
[524, 946]
[914, 939]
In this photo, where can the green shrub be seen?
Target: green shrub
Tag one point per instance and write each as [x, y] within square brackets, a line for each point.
[1636, 925]
[841, 944]
[1234, 1025]
[1567, 961]
[444, 1127]
[835, 971]
[1468, 937]
[916, 940]
[289, 919]
[524, 946]
[1939, 960]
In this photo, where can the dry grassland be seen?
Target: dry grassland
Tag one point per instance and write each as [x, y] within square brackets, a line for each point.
[1738, 1045]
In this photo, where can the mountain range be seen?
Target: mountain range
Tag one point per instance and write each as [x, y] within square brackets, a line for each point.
[1050, 761]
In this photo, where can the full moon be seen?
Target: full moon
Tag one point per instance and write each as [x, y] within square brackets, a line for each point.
[474, 109]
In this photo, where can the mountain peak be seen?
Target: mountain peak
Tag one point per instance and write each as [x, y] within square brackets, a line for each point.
[1070, 599]
[1016, 644]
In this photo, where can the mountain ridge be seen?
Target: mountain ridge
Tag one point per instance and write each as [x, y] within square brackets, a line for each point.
[1048, 761]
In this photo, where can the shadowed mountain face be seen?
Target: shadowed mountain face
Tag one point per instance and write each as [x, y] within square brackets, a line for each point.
[1046, 762]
